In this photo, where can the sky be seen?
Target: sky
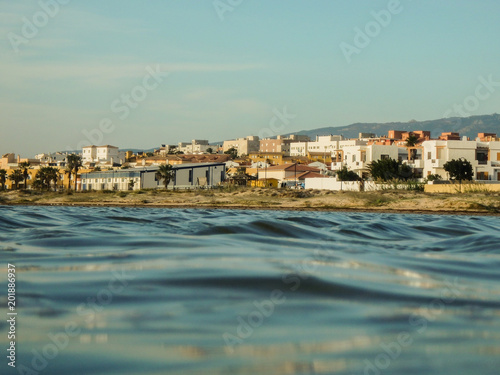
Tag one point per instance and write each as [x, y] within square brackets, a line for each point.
[138, 74]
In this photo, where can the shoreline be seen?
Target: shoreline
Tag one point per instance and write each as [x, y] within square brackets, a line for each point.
[389, 201]
[254, 208]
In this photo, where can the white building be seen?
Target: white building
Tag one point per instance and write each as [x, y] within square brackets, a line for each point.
[484, 157]
[197, 146]
[52, 158]
[102, 155]
[326, 143]
[357, 157]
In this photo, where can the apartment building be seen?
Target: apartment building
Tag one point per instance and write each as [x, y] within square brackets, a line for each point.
[102, 155]
[484, 157]
[281, 143]
[244, 146]
[197, 146]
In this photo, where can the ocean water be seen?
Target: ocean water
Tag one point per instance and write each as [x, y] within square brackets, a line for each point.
[184, 291]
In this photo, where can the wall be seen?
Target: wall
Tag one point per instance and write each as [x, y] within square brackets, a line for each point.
[331, 184]
[455, 188]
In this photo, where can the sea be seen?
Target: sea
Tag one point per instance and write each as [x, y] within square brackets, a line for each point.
[107, 290]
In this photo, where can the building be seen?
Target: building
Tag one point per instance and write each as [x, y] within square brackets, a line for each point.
[484, 157]
[102, 155]
[52, 158]
[244, 146]
[186, 176]
[281, 144]
[357, 157]
[197, 146]
[282, 172]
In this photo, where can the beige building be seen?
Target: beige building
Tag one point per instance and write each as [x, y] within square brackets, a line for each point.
[281, 143]
[243, 145]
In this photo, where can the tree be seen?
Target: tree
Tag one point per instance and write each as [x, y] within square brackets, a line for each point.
[3, 178]
[412, 140]
[389, 169]
[73, 164]
[433, 177]
[45, 176]
[210, 150]
[24, 167]
[346, 175]
[460, 169]
[165, 173]
[233, 152]
[16, 177]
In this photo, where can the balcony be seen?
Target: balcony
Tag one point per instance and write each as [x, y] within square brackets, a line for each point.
[437, 163]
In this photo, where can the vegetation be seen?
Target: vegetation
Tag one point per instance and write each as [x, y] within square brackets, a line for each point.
[24, 168]
[433, 177]
[3, 178]
[16, 177]
[390, 169]
[412, 140]
[233, 152]
[73, 164]
[346, 175]
[44, 178]
[210, 150]
[459, 170]
[165, 173]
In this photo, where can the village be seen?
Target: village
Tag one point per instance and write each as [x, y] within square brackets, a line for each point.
[293, 161]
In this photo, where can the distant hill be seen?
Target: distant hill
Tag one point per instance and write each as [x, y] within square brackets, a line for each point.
[468, 126]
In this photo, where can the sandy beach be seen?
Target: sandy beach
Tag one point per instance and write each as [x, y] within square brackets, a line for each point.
[261, 198]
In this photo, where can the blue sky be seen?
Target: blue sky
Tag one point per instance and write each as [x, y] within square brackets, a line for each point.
[228, 73]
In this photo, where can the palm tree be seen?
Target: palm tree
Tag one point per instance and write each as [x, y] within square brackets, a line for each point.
[165, 173]
[3, 178]
[16, 177]
[412, 140]
[45, 176]
[73, 164]
[24, 167]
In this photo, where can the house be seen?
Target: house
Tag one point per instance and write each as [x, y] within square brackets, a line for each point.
[282, 172]
[484, 157]
[197, 146]
[186, 176]
[281, 144]
[106, 154]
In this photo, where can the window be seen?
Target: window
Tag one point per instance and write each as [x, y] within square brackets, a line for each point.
[482, 176]
[429, 155]
[384, 157]
[498, 156]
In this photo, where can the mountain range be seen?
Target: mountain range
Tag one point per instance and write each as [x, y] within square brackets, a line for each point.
[466, 126]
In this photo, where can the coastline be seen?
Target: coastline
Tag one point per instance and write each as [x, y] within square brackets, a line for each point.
[389, 201]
